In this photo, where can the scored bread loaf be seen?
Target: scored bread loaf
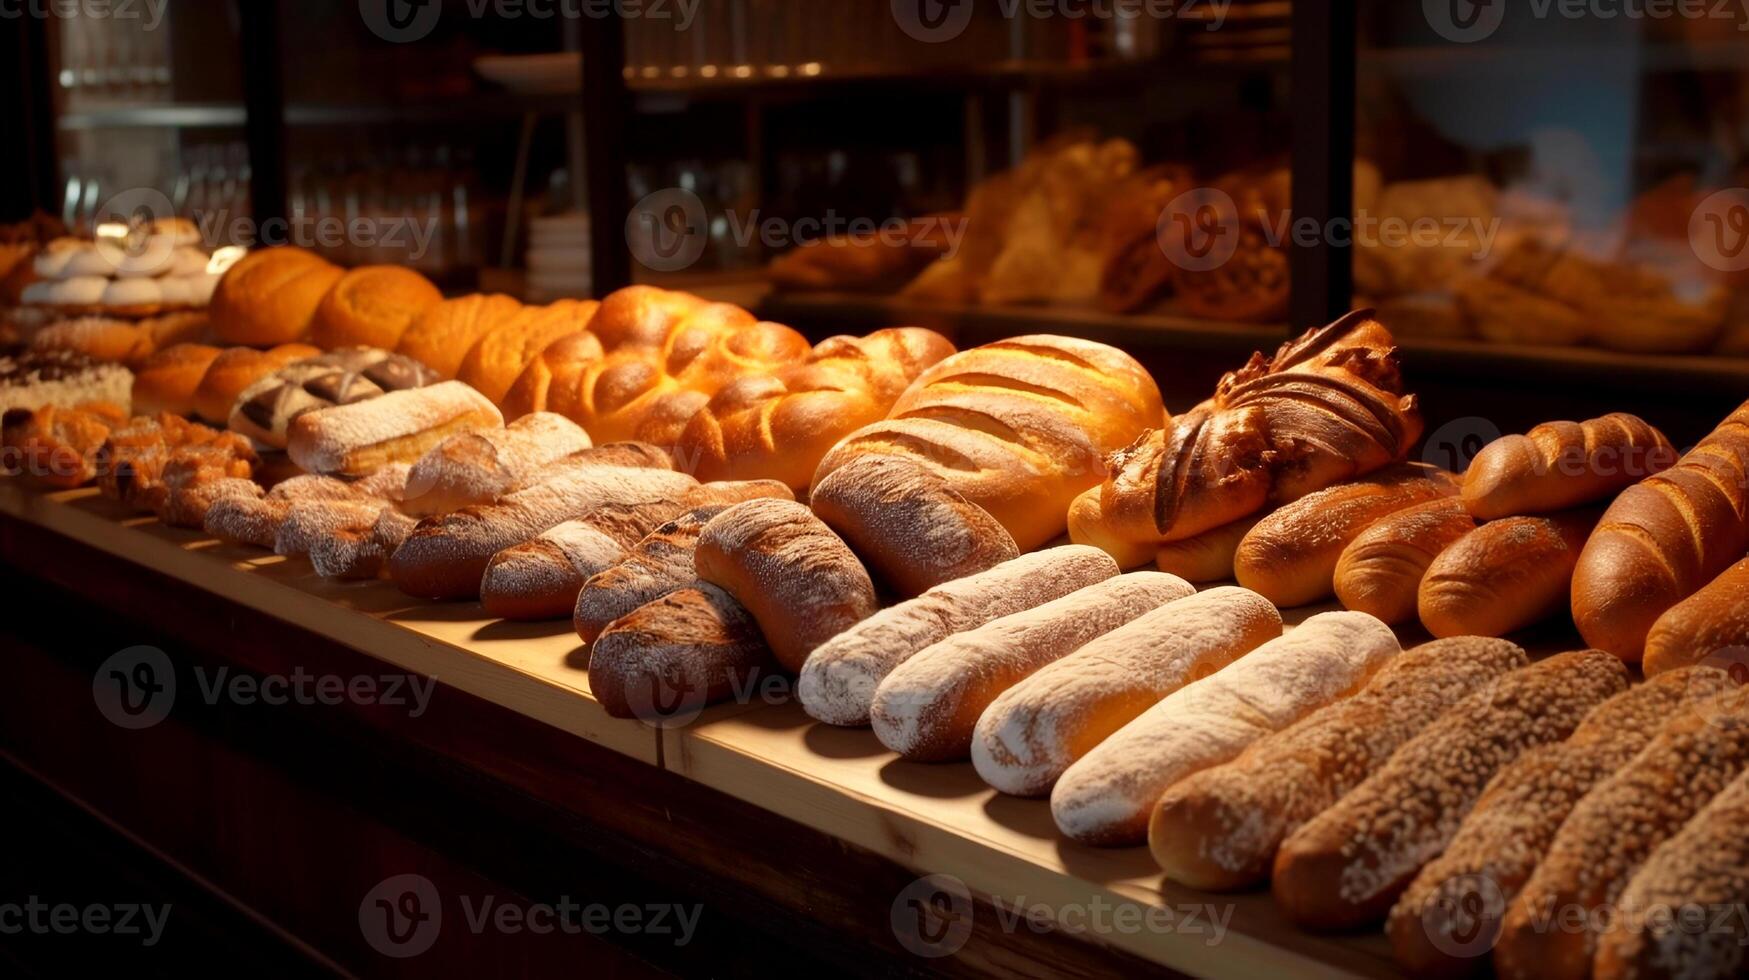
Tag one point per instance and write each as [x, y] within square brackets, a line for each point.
[479, 467]
[1107, 797]
[1040, 726]
[1380, 572]
[1663, 540]
[399, 427]
[498, 358]
[1208, 557]
[167, 381]
[1504, 576]
[271, 296]
[664, 660]
[779, 426]
[1463, 893]
[840, 678]
[1019, 427]
[909, 524]
[654, 567]
[1561, 465]
[1711, 624]
[447, 555]
[1219, 829]
[372, 306]
[1614, 829]
[1346, 866]
[800, 581]
[1290, 557]
[443, 334]
[928, 706]
[236, 370]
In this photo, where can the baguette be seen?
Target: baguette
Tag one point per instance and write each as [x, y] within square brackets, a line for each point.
[1562, 465]
[839, 680]
[692, 647]
[1504, 576]
[479, 467]
[927, 708]
[1710, 626]
[399, 427]
[1040, 726]
[1107, 797]
[1208, 557]
[1613, 830]
[799, 580]
[1380, 572]
[1290, 557]
[1345, 867]
[1220, 829]
[1663, 540]
[654, 567]
[1499, 844]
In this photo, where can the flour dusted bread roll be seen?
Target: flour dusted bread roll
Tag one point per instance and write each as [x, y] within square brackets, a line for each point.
[1561, 465]
[1208, 557]
[1219, 829]
[654, 567]
[1040, 726]
[1346, 866]
[361, 438]
[266, 409]
[443, 334]
[1706, 625]
[692, 647]
[1380, 572]
[1019, 427]
[372, 306]
[840, 678]
[927, 708]
[1614, 829]
[1663, 540]
[357, 554]
[1504, 576]
[910, 525]
[1290, 557]
[479, 467]
[1107, 797]
[800, 581]
[1463, 893]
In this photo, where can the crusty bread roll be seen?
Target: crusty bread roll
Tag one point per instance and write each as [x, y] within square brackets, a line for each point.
[235, 371]
[447, 555]
[168, 380]
[797, 578]
[1696, 877]
[443, 334]
[1447, 909]
[101, 338]
[1219, 829]
[356, 554]
[372, 306]
[1712, 621]
[1208, 557]
[479, 467]
[1019, 427]
[1346, 866]
[779, 426]
[1087, 525]
[1040, 726]
[1663, 539]
[401, 426]
[643, 316]
[909, 524]
[1107, 797]
[498, 358]
[1614, 829]
[271, 296]
[308, 522]
[1504, 576]
[1380, 572]
[654, 567]
[840, 678]
[927, 708]
[1290, 556]
[1561, 465]
[689, 648]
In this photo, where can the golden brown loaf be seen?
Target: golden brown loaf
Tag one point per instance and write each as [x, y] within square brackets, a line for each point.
[498, 358]
[779, 426]
[442, 335]
[1346, 866]
[1290, 556]
[1380, 572]
[100, 338]
[233, 371]
[1208, 557]
[865, 263]
[654, 567]
[1664, 539]
[1019, 427]
[1504, 576]
[1219, 829]
[271, 296]
[169, 378]
[1712, 624]
[1561, 465]
[665, 660]
[372, 306]
[1328, 407]
[642, 316]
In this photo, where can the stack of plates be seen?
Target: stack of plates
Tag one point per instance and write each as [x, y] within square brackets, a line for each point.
[558, 258]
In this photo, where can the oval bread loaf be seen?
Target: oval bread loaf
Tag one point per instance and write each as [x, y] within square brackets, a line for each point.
[479, 467]
[1711, 625]
[1208, 557]
[667, 659]
[1504, 576]
[654, 567]
[1381, 571]
[1562, 465]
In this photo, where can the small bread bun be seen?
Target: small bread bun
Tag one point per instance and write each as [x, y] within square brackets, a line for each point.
[169, 378]
[235, 370]
[270, 297]
[442, 336]
[372, 306]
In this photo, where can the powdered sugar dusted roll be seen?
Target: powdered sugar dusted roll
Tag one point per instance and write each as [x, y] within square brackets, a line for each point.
[310, 522]
[927, 707]
[1039, 727]
[1106, 798]
[479, 467]
[401, 426]
[838, 681]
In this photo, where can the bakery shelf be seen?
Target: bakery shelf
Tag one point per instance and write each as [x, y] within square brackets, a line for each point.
[170, 116]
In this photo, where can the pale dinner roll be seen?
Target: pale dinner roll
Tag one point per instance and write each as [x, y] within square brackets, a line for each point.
[372, 306]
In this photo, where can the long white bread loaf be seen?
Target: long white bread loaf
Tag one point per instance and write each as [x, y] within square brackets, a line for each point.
[927, 707]
[479, 467]
[1107, 797]
[401, 426]
[838, 681]
[1039, 727]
